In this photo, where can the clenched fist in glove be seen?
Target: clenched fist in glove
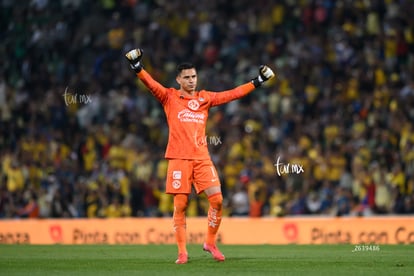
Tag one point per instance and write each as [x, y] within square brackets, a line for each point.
[265, 73]
[134, 58]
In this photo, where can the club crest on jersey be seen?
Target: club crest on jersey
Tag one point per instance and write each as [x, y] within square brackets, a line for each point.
[176, 184]
[193, 105]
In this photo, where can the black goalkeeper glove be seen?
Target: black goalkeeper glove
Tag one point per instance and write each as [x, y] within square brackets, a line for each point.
[134, 58]
[265, 73]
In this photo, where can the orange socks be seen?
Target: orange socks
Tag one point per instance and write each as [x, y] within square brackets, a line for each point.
[214, 217]
[180, 205]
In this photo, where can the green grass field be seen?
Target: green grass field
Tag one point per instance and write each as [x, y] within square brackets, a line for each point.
[240, 260]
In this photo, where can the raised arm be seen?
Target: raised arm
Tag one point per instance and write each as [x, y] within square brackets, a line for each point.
[231, 95]
[265, 73]
[156, 89]
[159, 91]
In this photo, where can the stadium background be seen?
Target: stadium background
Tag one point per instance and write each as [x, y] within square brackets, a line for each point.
[81, 138]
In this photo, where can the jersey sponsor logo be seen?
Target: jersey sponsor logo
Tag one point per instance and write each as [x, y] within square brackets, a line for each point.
[176, 184]
[187, 115]
[193, 104]
[176, 174]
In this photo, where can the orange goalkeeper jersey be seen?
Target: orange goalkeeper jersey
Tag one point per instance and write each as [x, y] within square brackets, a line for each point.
[187, 116]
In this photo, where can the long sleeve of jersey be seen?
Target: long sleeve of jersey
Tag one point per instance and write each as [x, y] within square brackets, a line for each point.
[157, 89]
[223, 97]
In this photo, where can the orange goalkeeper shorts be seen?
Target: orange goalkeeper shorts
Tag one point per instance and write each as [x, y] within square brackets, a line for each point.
[181, 174]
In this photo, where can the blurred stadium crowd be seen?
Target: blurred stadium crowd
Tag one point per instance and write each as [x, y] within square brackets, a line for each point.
[80, 137]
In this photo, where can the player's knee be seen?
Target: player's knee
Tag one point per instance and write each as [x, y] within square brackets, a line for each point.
[180, 203]
[216, 201]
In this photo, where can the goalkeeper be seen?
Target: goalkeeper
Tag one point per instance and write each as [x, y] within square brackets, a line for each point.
[189, 161]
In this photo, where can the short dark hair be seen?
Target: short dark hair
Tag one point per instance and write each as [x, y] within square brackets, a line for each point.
[184, 66]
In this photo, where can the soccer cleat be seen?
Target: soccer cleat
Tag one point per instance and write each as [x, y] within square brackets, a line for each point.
[214, 251]
[182, 258]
